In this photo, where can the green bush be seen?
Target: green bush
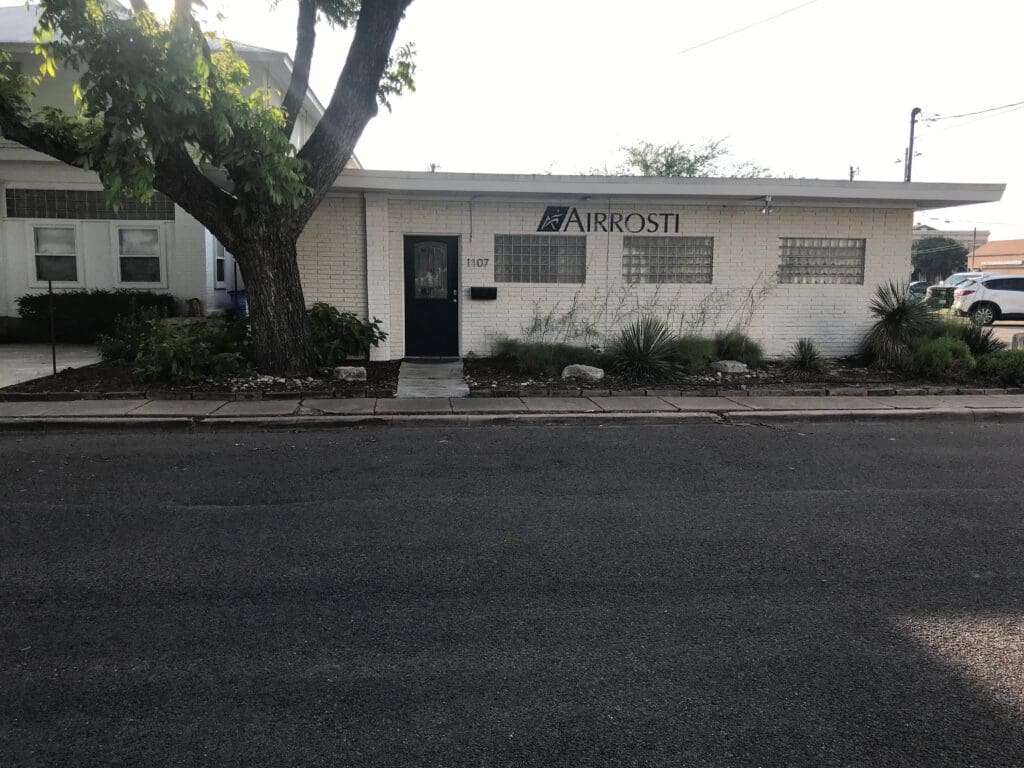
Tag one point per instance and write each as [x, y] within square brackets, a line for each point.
[736, 345]
[943, 358]
[806, 358]
[127, 337]
[695, 353]
[338, 336]
[981, 340]
[646, 351]
[902, 318]
[82, 316]
[1005, 367]
[535, 358]
[185, 353]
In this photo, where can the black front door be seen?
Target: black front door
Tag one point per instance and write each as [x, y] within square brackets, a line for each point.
[431, 296]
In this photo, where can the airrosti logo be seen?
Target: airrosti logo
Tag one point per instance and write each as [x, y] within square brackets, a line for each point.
[565, 218]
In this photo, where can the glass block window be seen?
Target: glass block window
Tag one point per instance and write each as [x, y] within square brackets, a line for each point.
[139, 254]
[540, 259]
[667, 259]
[56, 254]
[821, 260]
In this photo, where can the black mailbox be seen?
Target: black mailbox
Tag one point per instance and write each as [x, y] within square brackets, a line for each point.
[483, 292]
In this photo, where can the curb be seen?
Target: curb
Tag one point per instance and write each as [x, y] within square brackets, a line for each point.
[745, 417]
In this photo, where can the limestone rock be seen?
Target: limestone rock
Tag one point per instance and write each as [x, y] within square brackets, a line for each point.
[583, 372]
[729, 366]
[350, 373]
[1018, 341]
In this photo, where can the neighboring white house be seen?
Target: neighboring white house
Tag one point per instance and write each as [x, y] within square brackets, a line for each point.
[52, 211]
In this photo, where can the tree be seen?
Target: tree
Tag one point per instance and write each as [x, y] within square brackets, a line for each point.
[935, 258]
[689, 160]
[164, 106]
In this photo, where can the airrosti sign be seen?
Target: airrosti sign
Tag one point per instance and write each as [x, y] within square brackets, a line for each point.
[565, 218]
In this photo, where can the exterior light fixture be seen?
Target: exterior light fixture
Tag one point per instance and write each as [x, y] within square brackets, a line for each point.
[767, 208]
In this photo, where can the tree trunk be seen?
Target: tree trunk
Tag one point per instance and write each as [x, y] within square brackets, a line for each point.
[281, 336]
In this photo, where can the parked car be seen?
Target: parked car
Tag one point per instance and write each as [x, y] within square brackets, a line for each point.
[941, 295]
[990, 298]
[919, 287]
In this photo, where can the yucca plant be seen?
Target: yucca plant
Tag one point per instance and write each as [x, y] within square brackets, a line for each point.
[646, 351]
[902, 318]
[806, 358]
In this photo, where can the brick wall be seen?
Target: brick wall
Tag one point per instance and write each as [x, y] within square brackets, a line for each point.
[744, 291]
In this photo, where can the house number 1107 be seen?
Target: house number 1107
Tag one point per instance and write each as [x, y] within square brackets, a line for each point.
[477, 262]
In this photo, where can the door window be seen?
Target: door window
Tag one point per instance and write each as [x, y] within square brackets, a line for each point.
[430, 271]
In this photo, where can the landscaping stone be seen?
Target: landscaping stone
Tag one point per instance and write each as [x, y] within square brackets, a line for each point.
[350, 373]
[729, 366]
[583, 372]
[1017, 342]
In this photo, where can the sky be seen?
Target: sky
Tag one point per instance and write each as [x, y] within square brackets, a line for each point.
[559, 86]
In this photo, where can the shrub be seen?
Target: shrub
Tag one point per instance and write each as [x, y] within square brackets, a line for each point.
[184, 353]
[694, 353]
[1006, 367]
[902, 318]
[943, 358]
[127, 337]
[736, 345]
[338, 336]
[981, 340]
[806, 358]
[82, 316]
[537, 358]
[646, 351]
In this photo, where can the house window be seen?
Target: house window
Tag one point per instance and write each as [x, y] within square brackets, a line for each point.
[667, 259]
[219, 267]
[139, 254]
[540, 259]
[56, 254]
[821, 260]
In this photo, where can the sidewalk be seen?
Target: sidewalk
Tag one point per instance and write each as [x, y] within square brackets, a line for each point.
[504, 410]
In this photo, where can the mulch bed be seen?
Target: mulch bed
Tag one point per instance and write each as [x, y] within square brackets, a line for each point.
[498, 377]
[114, 379]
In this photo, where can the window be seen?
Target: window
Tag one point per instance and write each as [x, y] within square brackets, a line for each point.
[56, 254]
[219, 267]
[430, 271]
[667, 259]
[821, 260]
[138, 250]
[540, 259]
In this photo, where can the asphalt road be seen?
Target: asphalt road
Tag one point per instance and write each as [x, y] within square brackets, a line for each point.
[704, 595]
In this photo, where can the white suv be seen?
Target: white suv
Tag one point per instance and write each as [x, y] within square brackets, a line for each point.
[988, 299]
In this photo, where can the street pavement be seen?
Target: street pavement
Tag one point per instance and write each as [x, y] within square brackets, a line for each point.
[689, 595]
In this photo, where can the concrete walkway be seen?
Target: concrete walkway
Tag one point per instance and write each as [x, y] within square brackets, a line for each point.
[431, 379]
[460, 410]
[24, 362]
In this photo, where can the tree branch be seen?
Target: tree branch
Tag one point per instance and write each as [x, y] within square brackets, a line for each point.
[139, 6]
[49, 143]
[178, 177]
[353, 104]
[305, 40]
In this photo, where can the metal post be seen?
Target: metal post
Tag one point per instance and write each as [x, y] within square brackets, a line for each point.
[53, 329]
[974, 247]
[908, 166]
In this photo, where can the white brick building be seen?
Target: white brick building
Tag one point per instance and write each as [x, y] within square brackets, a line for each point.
[781, 259]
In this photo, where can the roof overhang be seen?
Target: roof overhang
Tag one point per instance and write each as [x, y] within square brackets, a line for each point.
[887, 194]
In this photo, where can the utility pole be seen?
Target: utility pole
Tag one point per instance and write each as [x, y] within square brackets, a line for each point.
[974, 247]
[853, 172]
[909, 162]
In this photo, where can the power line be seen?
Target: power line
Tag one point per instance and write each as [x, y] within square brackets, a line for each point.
[971, 122]
[969, 114]
[748, 26]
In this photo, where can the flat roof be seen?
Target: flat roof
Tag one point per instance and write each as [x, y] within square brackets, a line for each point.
[890, 194]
